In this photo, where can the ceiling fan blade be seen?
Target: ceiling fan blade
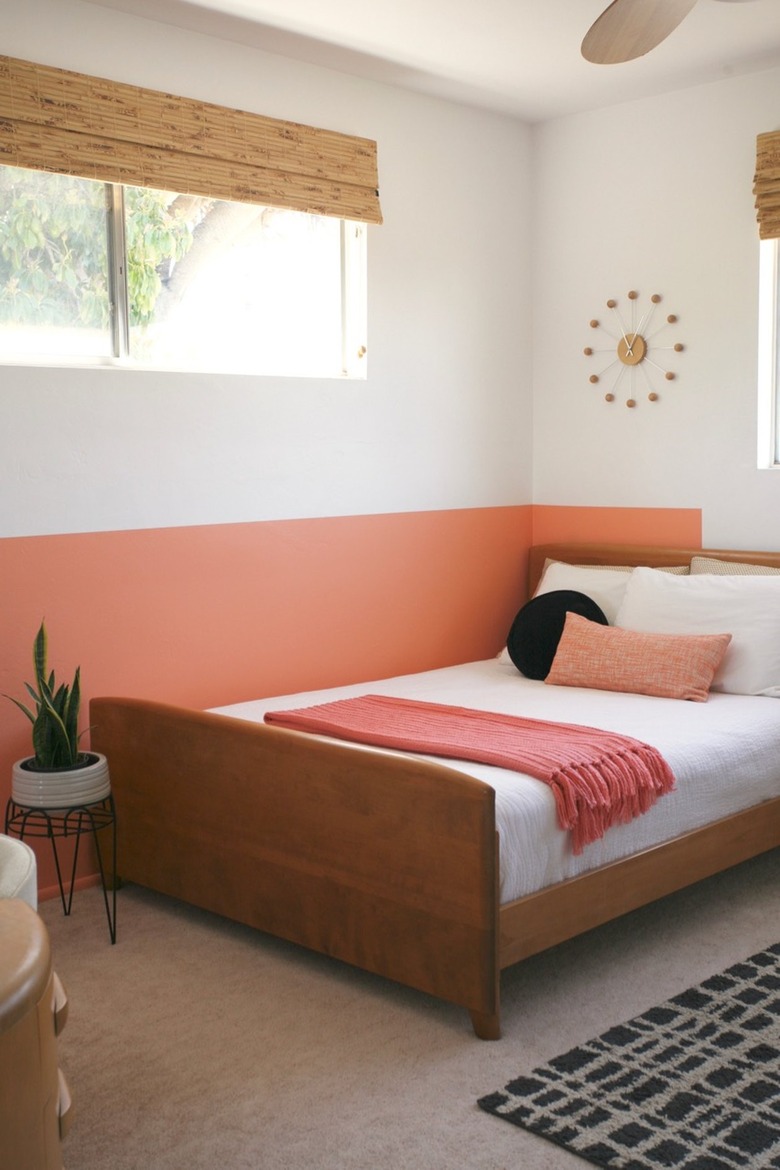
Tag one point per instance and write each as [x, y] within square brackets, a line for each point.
[631, 28]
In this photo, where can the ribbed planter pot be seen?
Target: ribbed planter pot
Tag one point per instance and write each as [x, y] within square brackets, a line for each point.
[60, 787]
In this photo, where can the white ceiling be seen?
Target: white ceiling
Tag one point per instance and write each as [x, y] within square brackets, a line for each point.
[519, 57]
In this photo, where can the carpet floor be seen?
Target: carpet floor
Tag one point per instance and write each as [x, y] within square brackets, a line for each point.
[197, 1043]
[693, 1083]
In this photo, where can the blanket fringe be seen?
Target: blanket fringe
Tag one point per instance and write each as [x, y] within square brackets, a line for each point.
[610, 790]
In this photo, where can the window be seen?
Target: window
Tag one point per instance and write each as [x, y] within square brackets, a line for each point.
[96, 273]
[768, 356]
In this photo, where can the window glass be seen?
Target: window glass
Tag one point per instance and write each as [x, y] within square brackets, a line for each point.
[238, 282]
[54, 272]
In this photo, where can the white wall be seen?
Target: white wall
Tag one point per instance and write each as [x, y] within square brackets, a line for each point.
[444, 419]
[655, 195]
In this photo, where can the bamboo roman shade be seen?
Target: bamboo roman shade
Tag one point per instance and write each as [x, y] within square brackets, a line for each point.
[767, 185]
[55, 120]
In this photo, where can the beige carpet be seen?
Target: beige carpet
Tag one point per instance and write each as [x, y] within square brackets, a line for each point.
[195, 1044]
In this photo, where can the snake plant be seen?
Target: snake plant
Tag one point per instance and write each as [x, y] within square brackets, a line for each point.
[54, 718]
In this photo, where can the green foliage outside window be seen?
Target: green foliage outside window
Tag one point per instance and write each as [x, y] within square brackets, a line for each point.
[54, 251]
[158, 234]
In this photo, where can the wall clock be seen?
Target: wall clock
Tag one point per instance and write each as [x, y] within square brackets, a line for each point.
[636, 357]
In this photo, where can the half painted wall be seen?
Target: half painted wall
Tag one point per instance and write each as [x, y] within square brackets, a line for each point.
[204, 538]
[655, 196]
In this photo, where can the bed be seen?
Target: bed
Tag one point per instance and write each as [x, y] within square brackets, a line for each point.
[393, 861]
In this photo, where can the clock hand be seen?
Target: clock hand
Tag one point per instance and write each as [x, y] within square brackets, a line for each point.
[624, 336]
[638, 332]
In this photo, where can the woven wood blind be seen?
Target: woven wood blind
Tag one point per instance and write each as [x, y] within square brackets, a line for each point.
[55, 120]
[767, 185]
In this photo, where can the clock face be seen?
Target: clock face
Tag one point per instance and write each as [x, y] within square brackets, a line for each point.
[632, 345]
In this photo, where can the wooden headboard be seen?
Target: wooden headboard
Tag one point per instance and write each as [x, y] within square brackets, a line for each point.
[655, 556]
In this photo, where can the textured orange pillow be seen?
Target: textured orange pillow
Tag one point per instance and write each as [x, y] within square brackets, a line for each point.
[672, 666]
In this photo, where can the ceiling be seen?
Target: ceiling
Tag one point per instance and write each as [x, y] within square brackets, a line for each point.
[518, 57]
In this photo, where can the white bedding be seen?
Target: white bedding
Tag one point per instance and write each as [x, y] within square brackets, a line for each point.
[725, 755]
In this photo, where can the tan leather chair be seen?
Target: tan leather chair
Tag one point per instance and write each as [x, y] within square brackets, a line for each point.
[18, 871]
[34, 1099]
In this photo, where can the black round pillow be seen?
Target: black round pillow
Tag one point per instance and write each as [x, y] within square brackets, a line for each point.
[536, 631]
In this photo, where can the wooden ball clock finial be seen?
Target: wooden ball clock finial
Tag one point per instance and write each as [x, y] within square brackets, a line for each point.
[634, 352]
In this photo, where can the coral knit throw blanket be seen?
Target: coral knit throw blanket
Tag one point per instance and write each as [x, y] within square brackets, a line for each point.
[598, 778]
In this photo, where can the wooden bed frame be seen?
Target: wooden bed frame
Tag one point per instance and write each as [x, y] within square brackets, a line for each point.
[387, 863]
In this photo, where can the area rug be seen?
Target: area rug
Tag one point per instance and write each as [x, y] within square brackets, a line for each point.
[693, 1084]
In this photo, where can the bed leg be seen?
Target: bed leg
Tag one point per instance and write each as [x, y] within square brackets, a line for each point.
[487, 1025]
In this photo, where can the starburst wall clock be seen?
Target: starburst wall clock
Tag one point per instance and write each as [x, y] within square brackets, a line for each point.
[636, 364]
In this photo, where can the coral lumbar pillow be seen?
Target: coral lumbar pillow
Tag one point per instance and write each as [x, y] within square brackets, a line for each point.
[671, 666]
[533, 638]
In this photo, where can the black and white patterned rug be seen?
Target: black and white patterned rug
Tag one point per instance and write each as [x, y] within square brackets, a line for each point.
[693, 1084]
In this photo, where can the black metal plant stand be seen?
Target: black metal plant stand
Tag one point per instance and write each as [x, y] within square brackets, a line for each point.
[74, 821]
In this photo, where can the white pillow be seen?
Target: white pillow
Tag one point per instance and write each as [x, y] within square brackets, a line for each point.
[604, 586]
[748, 608]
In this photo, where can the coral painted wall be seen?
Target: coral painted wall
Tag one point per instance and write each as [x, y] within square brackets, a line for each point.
[677, 527]
[203, 616]
[208, 615]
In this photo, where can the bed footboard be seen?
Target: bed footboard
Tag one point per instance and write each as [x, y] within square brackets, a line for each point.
[387, 864]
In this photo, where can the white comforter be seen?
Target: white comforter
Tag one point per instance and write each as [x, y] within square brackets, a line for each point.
[725, 755]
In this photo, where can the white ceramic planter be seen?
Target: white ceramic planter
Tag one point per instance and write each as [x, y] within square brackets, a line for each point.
[62, 788]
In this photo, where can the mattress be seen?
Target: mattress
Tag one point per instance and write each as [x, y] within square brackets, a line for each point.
[725, 755]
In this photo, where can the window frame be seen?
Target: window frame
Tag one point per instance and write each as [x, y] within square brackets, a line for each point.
[768, 449]
[353, 309]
